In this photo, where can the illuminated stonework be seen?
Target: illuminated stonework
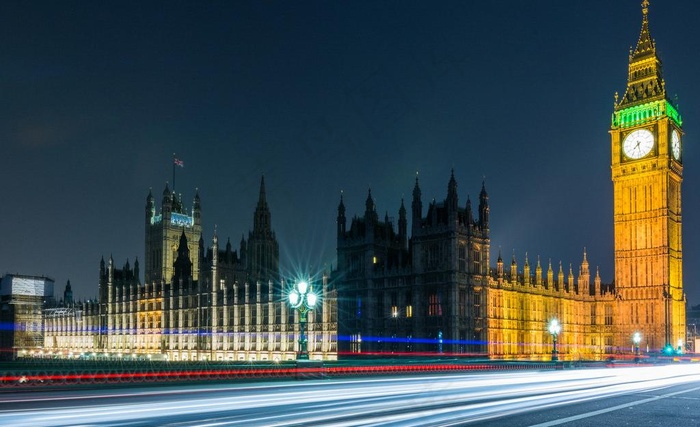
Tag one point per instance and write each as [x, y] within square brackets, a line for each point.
[163, 232]
[646, 113]
[217, 304]
[521, 304]
[647, 207]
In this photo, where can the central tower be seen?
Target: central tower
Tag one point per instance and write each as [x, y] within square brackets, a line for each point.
[647, 171]
[163, 233]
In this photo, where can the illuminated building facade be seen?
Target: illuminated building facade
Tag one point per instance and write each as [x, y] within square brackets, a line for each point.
[435, 292]
[521, 303]
[233, 308]
[163, 234]
[647, 171]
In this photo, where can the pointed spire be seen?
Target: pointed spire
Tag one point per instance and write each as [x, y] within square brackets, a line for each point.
[197, 206]
[182, 264]
[526, 271]
[341, 222]
[341, 205]
[499, 265]
[560, 277]
[369, 203]
[483, 207]
[452, 198]
[645, 44]
[416, 189]
[262, 218]
[416, 207]
[262, 198]
[68, 294]
[370, 209]
[470, 214]
[644, 82]
[183, 240]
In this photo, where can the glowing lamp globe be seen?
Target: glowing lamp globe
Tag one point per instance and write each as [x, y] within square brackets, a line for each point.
[294, 298]
[303, 287]
[311, 299]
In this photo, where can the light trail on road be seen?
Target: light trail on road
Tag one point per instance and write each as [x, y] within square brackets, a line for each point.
[446, 399]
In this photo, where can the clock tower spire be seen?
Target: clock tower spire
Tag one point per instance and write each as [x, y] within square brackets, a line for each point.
[647, 172]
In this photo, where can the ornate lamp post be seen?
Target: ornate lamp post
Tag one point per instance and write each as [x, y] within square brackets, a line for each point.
[554, 329]
[636, 339]
[302, 299]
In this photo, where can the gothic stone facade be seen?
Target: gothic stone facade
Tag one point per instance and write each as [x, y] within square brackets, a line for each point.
[231, 309]
[435, 292]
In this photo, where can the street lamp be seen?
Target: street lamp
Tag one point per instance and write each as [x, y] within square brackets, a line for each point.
[667, 323]
[636, 339]
[302, 299]
[554, 329]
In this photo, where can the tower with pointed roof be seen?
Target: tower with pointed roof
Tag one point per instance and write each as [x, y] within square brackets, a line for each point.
[163, 231]
[647, 171]
[262, 252]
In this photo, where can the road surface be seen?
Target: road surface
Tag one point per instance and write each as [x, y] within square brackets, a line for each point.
[636, 396]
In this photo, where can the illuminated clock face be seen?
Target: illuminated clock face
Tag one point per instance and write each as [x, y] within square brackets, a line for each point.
[638, 144]
[676, 144]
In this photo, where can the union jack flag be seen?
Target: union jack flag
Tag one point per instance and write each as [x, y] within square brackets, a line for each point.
[179, 162]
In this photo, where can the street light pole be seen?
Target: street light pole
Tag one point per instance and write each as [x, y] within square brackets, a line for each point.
[636, 338]
[667, 323]
[302, 299]
[554, 329]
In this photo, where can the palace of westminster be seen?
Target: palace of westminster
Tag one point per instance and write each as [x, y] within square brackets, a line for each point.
[427, 286]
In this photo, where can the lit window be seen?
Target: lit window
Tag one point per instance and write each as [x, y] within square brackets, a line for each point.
[409, 311]
[394, 311]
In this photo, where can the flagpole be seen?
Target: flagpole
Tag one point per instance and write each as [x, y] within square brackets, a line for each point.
[173, 162]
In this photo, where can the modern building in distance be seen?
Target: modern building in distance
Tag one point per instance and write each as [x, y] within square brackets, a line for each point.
[647, 171]
[22, 300]
[217, 303]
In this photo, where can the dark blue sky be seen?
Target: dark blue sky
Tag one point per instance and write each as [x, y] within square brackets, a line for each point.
[322, 97]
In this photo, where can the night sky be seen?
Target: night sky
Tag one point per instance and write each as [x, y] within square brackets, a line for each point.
[320, 98]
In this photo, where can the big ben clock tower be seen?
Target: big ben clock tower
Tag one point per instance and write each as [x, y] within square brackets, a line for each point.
[647, 171]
